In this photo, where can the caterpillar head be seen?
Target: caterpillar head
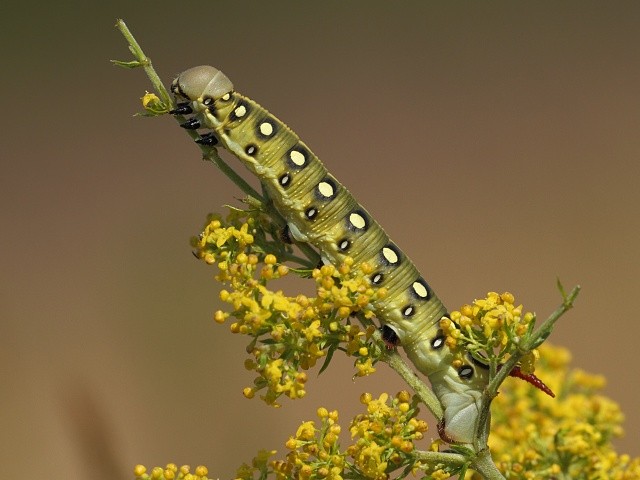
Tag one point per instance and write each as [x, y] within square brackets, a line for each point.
[201, 83]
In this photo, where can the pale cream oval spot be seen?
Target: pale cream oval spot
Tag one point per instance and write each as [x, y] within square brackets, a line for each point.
[357, 220]
[266, 129]
[297, 158]
[420, 290]
[325, 189]
[390, 255]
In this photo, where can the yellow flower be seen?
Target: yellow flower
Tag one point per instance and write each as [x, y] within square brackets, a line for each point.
[365, 368]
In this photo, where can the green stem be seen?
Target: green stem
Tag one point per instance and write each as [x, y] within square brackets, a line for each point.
[433, 458]
[144, 62]
[547, 326]
[483, 464]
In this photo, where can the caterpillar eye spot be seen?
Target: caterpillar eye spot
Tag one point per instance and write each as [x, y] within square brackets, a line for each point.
[207, 101]
[377, 278]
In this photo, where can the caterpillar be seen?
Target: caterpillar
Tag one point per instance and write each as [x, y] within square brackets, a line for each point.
[320, 211]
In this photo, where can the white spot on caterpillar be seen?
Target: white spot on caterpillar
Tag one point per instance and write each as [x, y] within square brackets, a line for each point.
[241, 111]
[377, 278]
[226, 97]
[407, 312]
[420, 289]
[297, 158]
[390, 255]
[266, 129]
[325, 189]
[357, 220]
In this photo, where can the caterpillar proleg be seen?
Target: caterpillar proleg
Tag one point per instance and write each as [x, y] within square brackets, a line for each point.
[320, 211]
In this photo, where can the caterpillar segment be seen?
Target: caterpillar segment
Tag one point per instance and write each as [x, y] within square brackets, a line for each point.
[320, 211]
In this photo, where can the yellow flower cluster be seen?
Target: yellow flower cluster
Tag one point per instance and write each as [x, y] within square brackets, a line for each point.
[314, 452]
[490, 329]
[289, 334]
[535, 436]
[171, 472]
[385, 435]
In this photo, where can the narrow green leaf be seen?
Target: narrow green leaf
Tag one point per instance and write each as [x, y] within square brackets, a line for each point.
[130, 64]
[327, 360]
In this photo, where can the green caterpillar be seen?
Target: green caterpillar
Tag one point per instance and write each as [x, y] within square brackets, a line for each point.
[322, 212]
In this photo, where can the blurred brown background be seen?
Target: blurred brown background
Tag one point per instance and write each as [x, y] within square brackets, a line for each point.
[499, 146]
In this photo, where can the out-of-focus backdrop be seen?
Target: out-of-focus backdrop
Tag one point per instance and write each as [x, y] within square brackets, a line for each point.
[499, 146]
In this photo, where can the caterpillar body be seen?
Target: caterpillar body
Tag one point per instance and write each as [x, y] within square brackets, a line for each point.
[320, 211]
